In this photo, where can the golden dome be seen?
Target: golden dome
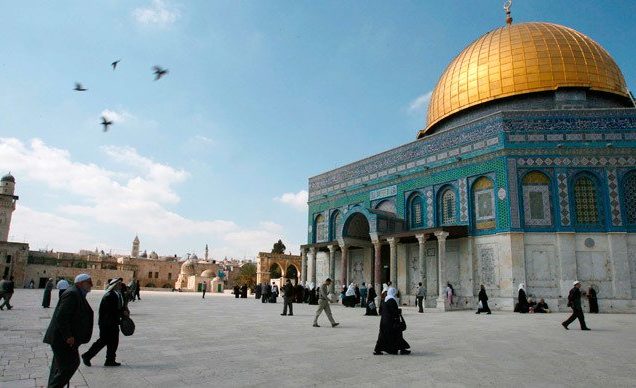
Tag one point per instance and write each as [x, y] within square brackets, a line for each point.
[522, 58]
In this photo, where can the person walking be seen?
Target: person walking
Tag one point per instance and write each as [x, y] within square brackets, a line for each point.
[6, 288]
[137, 294]
[46, 298]
[71, 326]
[450, 293]
[112, 309]
[419, 297]
[288, 298]
[274, 294]
[363, 295]
[483, 300]
[592, 300]
[203, 289]
[371, 308]
[574, 302]
[323, 304]
[132, 287]
[390, 337]
[62, 285]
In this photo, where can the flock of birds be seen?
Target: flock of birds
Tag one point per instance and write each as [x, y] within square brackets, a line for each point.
[157, 70]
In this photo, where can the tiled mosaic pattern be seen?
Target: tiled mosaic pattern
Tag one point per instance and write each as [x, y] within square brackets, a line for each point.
[430, 222]
[564, 200]
[537, 197]
[463, 200]
[514, 199]
[630, 198]
[614, 200]
[594, 161]
[585, 201]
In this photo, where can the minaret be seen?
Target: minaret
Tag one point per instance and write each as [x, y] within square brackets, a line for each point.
[135, 248]
[206, 252]
[7, 205]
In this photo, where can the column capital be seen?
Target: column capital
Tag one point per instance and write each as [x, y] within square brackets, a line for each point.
[392, 240]
[441, 235]
[312, 250]
[421, 237]
[376, 243]
[332, 248]
[344, 247]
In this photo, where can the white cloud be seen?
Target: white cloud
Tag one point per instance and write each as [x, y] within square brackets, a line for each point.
[203, 139]
[159, 13]
[117, 117]
[420, 104]
[296, 200]
[134, 199]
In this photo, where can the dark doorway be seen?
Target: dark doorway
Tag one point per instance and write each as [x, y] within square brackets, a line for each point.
[42, 282]
[385, 253]
[291, 273]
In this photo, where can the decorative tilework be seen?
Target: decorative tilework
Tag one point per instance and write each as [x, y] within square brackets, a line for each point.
[514, 196]
[585, 201]
[577, 161]
[614, 200]
[536, 205]
[429, 208]
[463, 200]
[448, 207]
[564, 201]
[383, 193]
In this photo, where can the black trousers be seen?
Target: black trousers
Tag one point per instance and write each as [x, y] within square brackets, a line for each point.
[576, 313]
[287, 301]
[109, 337]
[65, 363]
[420, 300]
[203, 294]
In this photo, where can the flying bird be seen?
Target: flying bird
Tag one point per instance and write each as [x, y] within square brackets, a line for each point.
[159, 72]
[114, 64]
[106, 123]
[79, 87]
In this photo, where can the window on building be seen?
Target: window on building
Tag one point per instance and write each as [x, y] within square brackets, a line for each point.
[156, 275]
[336, 223]
[8, 260]
[536, 199]
[629, 192]
[448, 207]
[169, 275]
[586, 207]
[484, 203]
[415, 214]
[150, 275]
[321, 228]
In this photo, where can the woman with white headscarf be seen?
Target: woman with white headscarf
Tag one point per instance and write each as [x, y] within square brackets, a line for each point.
[522, 305]
[390, 338]
[349, 299]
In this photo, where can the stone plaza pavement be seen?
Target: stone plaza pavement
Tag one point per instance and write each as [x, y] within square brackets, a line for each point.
[182, 341]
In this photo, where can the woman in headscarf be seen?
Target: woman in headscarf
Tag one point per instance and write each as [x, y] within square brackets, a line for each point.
[592, 300]
[46, 299]
[350, 296]
[522, 305]
[483, 299]
[313, 296]
[390, 338]
[371, 294]
[385, 288]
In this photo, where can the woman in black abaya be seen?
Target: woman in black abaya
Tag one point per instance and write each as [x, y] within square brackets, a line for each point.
[390, 338]
[371, 295]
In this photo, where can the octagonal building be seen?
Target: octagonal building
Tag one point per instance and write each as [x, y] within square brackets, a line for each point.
[524, 173]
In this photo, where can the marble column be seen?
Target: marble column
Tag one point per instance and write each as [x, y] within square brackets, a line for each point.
[421, 238]
[332, 267]
[344, 249]
[312, 253]
[393, 262]
[303, 266]
[377, 266]
[441, 267]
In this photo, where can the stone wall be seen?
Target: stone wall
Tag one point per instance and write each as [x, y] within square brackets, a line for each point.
[100, 276]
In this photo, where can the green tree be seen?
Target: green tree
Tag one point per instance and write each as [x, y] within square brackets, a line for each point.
[279, 248]
[247, 275]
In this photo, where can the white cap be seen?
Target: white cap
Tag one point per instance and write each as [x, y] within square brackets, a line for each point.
[576, 282]
[82, 278]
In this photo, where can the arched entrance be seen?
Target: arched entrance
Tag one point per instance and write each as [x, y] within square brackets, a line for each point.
[292, 274]
[357, 227]
[275, 271]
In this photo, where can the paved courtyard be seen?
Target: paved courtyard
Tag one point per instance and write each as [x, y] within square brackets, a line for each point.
[182, 341]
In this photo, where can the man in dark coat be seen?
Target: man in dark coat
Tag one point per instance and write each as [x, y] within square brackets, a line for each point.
[6, 289]
[288, 298]
[111, 310]
[483, 298]
[46, 298]
[574, 301]
[71, 326]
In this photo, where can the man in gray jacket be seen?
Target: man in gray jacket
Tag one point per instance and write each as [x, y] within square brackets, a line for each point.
[421, 294]
[323, 304]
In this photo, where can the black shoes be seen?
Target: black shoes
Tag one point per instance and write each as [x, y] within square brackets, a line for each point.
[86, 360]
[112, 363]
[316, 325]
[586, 328]
[283, 314]
[404, 352]
[334, 324]
[565, 326]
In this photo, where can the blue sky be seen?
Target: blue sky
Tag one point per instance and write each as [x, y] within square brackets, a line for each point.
[260, 96]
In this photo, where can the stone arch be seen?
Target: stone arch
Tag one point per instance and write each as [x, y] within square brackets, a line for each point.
[386, 205]
[275, 270]
[415, 210]
[291, 272]
[320, 228]
[356, 226]
[334, 225]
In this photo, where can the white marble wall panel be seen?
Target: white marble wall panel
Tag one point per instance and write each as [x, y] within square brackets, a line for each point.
[322, 267]
[631, 255]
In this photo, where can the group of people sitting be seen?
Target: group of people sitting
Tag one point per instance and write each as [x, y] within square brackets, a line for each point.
[354, 295]
[527, 305]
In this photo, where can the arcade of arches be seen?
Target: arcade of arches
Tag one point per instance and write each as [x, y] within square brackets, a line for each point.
[276, 267]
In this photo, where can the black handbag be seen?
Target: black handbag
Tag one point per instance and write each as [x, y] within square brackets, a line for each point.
[127, 326]
[402, 323]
